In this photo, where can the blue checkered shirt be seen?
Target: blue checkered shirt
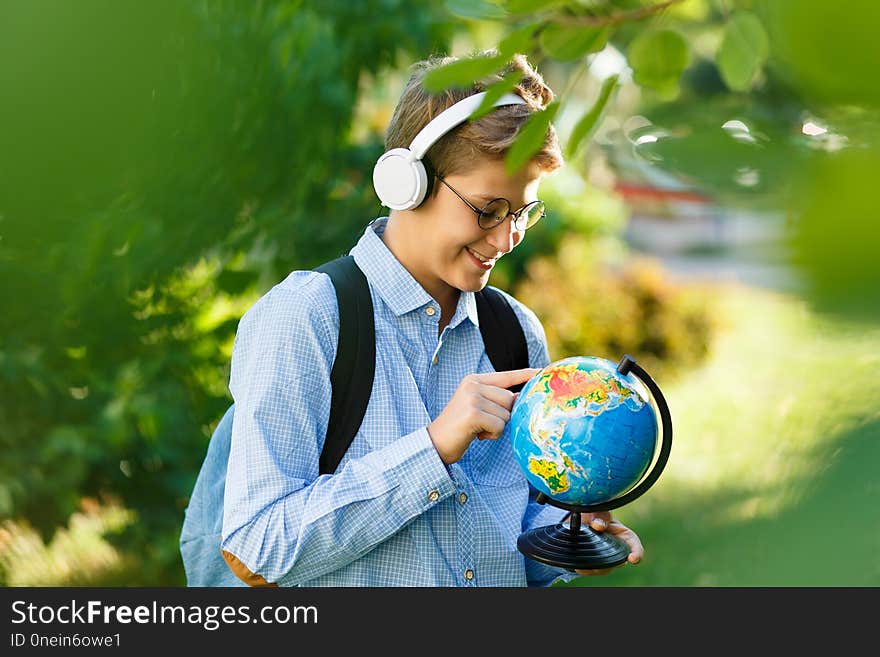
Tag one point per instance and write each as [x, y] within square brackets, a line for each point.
[392, 514]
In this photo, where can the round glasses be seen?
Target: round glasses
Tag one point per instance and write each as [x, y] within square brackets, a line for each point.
[498, 209]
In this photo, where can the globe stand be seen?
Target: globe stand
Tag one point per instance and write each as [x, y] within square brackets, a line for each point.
[573, 547]
[580, 548]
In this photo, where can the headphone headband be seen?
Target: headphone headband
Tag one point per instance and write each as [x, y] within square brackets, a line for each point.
[451, 117]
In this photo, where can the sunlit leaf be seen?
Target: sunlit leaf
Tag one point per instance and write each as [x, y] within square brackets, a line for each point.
[531, 6]
[476, 9]
[518, 41]
[567, 42]
[743, 50]
[826, 51]
[495, 91]
[530, 138]
[462, 72]
[658, 59]
[836, 239]
[588, 121]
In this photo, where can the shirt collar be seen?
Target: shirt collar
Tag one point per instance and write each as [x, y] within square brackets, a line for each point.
[394, 283]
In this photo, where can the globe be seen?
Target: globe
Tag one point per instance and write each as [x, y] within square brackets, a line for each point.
[582, 432]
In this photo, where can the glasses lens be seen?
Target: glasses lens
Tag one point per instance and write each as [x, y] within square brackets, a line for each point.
[493, 213]
[531, 214]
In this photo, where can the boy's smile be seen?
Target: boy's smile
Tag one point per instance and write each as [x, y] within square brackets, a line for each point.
[482, 261]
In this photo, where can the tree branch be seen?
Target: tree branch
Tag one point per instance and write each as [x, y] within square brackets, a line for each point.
[615, 19]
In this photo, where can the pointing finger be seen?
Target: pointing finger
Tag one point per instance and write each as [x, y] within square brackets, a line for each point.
[508, 378]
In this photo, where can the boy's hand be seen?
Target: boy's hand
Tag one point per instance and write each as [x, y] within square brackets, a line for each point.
[603, 521]
[479, 408]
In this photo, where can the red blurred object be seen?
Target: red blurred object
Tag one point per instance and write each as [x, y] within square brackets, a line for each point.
[634, 193]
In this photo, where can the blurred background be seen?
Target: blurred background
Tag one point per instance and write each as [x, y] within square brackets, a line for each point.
[163, 164]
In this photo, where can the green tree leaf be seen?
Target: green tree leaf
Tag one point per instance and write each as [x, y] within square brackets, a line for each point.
[531, 6]
[743, 51]
[476, 9]
[588, 121]
[658, 59]
[463, 72]
[531, 138]
[494, 92]
[567, 42]
[834, 238]
[826, 53]
[519, 40]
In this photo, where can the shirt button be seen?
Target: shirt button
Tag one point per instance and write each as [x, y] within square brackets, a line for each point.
[469, 574]
[433, 496]
[435, 360]
[462, 498]
[430, 311]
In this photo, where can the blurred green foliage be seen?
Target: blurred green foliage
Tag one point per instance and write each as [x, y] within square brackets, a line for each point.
[160, 160]
[573, 208]
[590, 303]
[755, 102]
[837, 235]
[827, 53]
[164, 163]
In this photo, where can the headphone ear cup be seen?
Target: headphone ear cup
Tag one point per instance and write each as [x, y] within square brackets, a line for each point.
[424, 182]
[430, 174]
[399, 179]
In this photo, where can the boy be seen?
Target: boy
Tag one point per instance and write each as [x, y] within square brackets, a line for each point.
[426, 495]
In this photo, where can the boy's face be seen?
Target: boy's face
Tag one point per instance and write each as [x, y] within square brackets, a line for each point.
[457, 252]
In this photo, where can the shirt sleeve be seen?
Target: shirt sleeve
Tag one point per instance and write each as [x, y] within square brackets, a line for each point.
[538, 515]
[283, 523]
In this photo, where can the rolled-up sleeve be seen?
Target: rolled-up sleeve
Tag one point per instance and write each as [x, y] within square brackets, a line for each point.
[283, 523]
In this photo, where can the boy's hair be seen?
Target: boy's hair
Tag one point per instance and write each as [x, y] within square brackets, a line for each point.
[489, 137]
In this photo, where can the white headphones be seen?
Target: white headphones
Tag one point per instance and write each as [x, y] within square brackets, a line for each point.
[400, 178]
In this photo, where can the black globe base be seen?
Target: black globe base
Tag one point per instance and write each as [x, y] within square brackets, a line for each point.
[573, 548]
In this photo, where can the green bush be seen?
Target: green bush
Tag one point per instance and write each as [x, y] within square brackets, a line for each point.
[594, 303]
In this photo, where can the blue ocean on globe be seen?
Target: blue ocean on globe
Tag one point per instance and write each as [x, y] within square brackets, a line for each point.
[582, 432]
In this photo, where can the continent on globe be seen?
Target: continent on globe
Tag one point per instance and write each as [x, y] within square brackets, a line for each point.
[567, 386]
[556, 479]
[582, 432]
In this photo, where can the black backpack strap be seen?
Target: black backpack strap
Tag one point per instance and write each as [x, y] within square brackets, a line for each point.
[502, 333]
[352, 376]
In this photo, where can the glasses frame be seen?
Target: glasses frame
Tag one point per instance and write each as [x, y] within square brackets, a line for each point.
[516, 215]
